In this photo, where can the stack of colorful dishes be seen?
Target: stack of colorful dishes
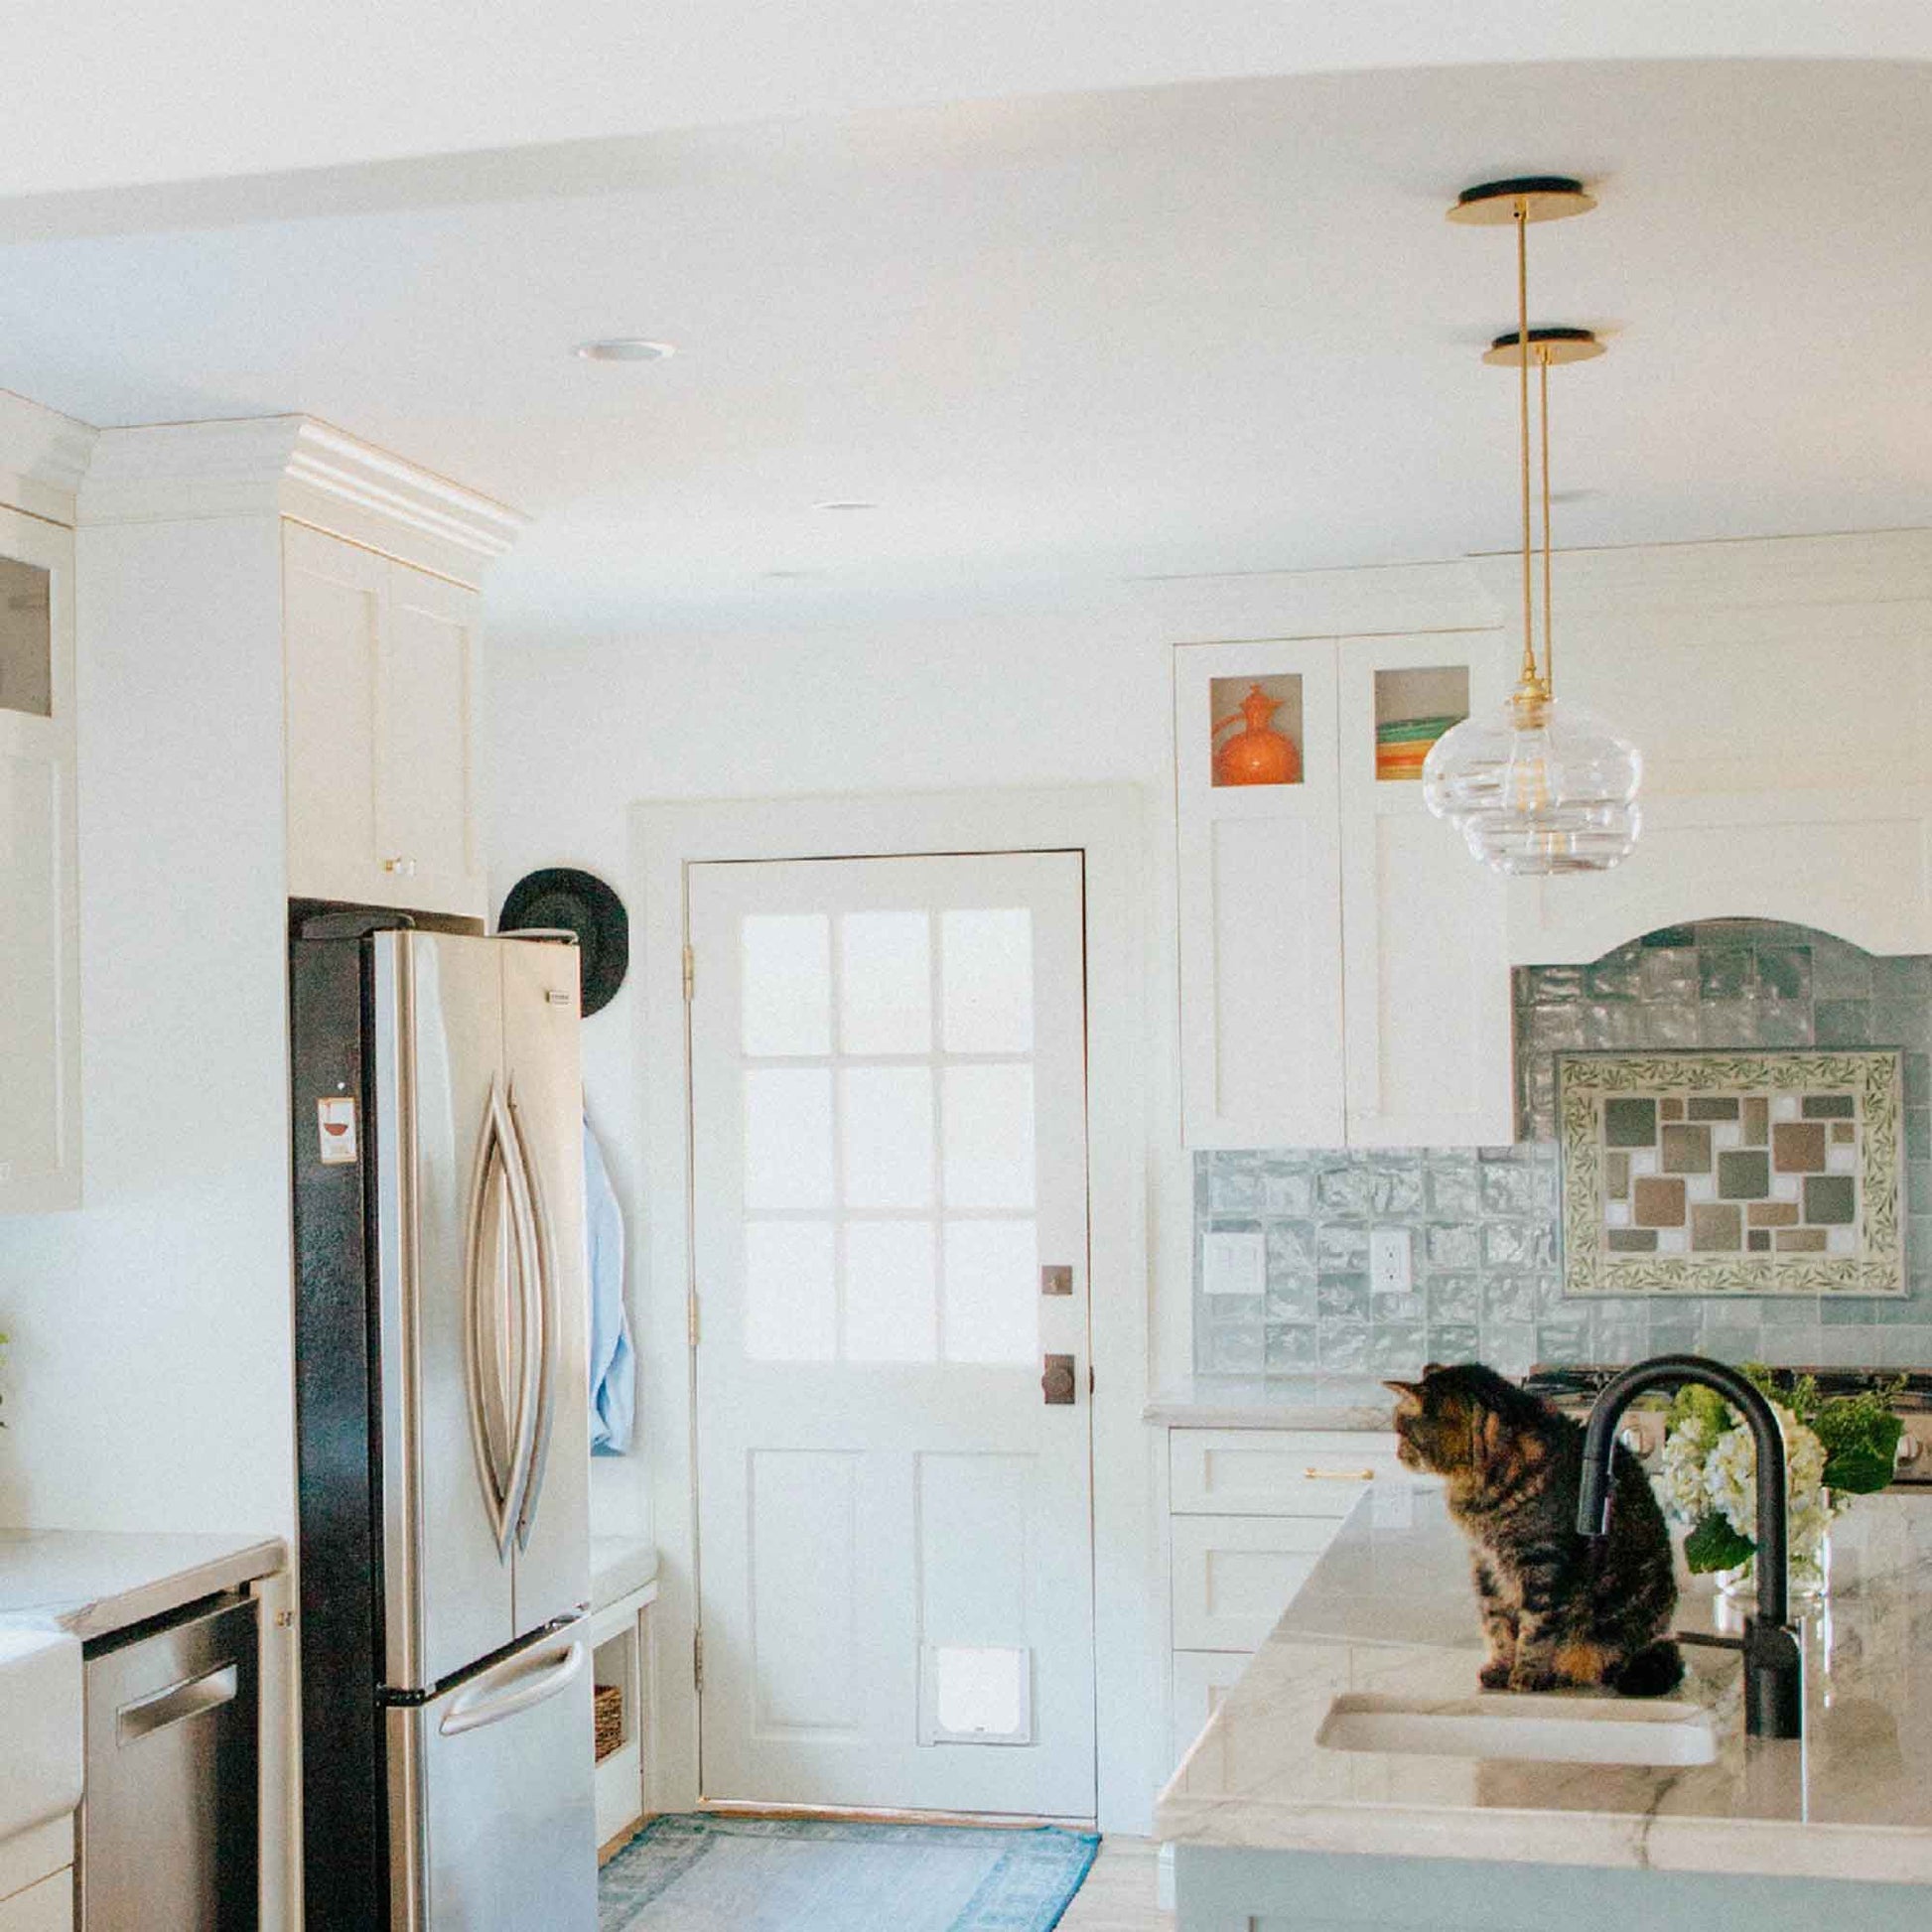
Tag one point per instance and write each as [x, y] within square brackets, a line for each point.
[1401, 745]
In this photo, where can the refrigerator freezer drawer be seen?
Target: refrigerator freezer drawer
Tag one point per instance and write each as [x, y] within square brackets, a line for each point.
[170, 1825]
[491, 1805]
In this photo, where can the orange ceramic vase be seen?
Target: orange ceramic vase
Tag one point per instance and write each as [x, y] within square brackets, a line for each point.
[1255, 756]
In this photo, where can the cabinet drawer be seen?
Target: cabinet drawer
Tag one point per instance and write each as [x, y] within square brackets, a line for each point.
[1273, 1472]
[1233, 1575]
[45, 1908]
[1199, 1679]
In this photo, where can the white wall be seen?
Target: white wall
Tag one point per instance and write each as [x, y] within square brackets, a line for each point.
[151, 1381]
[576, 735]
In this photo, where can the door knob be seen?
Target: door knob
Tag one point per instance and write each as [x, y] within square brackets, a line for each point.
[1056, 1382]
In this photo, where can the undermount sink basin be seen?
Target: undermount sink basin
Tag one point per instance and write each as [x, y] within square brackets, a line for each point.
[1558, 1729]
[40, 1735]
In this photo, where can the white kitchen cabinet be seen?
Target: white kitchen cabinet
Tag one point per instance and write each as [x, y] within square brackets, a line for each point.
[380, 680]
[1343, 979]
[37, 1877]
[45, 1908]
[39, 940]
[1274, 1471]
[1426, 993]
[1249, 1513]
[1200, 1677]
[1233, 1575]
[1260, 1017]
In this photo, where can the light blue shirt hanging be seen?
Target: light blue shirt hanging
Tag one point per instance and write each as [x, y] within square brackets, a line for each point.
[614, 1367]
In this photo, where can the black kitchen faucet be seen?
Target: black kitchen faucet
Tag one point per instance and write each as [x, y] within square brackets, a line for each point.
[1774, 1691]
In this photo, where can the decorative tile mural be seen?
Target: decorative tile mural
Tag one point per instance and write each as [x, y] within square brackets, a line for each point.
[1485, 1226]
[1711, 1172]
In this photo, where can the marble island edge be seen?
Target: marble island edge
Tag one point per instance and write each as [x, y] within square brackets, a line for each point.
[1389, 1608]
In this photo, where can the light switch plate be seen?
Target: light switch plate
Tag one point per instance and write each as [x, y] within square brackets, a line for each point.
[1391, 1261]
[1233, 1264]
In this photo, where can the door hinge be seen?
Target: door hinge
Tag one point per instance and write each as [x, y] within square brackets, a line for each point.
[1089, 1378]
[691, 1319]
[697, 1658]
[690, 973]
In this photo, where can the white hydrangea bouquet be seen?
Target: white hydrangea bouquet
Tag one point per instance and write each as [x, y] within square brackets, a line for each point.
[1833, 1450]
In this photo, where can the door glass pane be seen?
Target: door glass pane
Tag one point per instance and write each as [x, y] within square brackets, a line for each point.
[787, 997]
[788, 1137]
[989, 1136]
[885, 1125]
[885, 983]
[992, 1298]
[989, 981]
[26, 639]
[791, 1308]
[890, 1295]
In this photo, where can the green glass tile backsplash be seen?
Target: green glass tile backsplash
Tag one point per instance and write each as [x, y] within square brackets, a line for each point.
[1483, 1222]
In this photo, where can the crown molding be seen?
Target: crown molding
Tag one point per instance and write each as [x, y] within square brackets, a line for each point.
[296, 466]
[43, 457]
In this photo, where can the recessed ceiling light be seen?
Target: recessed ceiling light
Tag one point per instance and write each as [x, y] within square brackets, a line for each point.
[846, 503]
[623, 348]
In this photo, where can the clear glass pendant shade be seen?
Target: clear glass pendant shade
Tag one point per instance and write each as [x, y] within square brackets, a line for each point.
[1537, 786]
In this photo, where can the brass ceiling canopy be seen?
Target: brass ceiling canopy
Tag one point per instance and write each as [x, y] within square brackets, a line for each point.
[1549, 349]
[1545, 197]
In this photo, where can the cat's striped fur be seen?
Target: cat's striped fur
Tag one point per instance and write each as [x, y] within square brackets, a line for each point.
[1557, 1609]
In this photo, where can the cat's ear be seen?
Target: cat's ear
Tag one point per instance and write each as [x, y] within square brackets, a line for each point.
[1407, 1394]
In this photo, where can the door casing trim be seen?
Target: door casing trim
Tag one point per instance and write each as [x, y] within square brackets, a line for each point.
[1108, 825]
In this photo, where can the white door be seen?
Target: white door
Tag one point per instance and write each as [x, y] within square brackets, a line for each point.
[890, 1165]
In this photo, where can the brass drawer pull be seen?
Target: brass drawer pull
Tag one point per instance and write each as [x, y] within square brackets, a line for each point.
[1339, 1475]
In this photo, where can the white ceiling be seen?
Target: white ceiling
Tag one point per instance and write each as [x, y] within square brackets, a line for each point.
[1062, 340]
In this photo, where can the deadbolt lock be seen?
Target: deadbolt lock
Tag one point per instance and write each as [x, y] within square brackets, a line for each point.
[1056, 1383]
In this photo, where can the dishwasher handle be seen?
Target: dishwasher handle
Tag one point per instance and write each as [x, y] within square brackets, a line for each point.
[479, 1707]
[192, 1698]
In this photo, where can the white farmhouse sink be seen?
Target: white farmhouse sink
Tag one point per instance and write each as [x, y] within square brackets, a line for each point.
[1556, 1729]
[40, 1735]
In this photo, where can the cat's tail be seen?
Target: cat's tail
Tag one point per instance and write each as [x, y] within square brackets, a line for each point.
[1654, 1672]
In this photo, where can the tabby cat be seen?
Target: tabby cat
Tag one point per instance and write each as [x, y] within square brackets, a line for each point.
[1556, 1609]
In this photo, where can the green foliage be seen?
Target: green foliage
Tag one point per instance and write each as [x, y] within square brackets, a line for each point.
[1860, 1432]
[1717, 1545]
[1860, 1436]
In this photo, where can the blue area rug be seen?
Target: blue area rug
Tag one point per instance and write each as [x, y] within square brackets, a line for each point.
[702, 1873]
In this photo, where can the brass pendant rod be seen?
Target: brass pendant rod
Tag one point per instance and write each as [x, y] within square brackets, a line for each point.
[1523, 428]
[1542, 415]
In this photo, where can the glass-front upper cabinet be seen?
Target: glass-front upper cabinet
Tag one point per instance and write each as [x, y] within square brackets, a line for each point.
[26, 638]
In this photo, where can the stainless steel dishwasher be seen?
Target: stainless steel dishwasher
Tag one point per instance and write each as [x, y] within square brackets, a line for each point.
[169, 1836]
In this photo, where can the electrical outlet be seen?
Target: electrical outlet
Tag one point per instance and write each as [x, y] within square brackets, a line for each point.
[1391, 1269]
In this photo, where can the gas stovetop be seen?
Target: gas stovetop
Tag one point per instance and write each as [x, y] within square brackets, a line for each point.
[1585, 1382]
[1574, 1389]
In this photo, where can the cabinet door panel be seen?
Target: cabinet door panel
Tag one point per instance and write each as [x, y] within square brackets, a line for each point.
[1199, 1679]
[1260, 910]
[1234, 1576]
[425, 742]
[40, 950]
[333, 599]
[1428, 997]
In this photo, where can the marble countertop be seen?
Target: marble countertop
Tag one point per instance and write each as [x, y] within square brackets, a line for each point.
[96, 1581]
[1853, 1800]
[619, 1565]
[1271, 1402]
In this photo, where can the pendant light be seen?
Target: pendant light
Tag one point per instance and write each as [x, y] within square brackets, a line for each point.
[1541, 785]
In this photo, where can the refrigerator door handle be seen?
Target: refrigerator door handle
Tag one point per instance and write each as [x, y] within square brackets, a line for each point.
[543, 1324]
[501, 1305]
[477, 1707]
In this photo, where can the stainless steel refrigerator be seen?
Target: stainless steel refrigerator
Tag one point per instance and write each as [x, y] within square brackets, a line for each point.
[441, 1346]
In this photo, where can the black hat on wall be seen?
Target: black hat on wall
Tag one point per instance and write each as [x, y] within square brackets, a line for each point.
[561, 898]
